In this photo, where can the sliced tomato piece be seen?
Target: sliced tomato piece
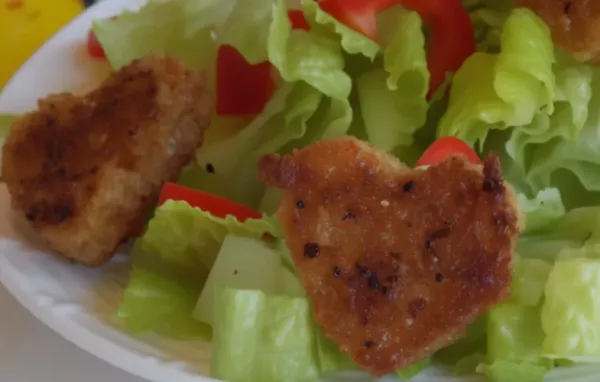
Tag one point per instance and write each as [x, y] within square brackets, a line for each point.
[298, 20]
[446, 147]
[452, 37]
[93, 45]
[217, 206]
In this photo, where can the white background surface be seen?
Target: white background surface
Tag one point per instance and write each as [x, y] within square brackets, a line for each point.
[31, 352]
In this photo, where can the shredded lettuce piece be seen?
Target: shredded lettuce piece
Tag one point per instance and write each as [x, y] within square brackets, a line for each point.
[312, 57]
[507, 89]
[564, 139]
[170, 264]
[350, 40]
[529, 281]
[488, 18]
[393, 100]
[505, 371]
[571, 311]
[247, 29]
[263, 338]
[297, 115]
[331, 358]
[514, 333]
[247, 263]
[180, 27]
[543, 211]
[160, 297]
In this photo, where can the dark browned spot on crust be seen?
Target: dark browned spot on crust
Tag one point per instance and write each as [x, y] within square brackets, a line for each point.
[408, 186]
[439, 277]
[311, 250]
[369, 344]
[336, 271]
[416, 306]
[349, 215]
[492, 181]
[567, 6]
[435, 236]
[300, 204]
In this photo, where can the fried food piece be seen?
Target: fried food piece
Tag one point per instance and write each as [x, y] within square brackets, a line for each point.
[575, 25]
[397, 262]
[86, 170]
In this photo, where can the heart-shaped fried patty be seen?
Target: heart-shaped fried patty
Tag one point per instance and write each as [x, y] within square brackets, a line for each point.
[397, 262]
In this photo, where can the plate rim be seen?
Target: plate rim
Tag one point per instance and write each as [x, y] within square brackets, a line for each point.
[95, 344]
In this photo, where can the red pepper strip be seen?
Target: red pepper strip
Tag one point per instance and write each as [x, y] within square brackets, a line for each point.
[452, 38]
[298, 20]
[93, 45]
[242, 88]
[206, 202]
[446, 147]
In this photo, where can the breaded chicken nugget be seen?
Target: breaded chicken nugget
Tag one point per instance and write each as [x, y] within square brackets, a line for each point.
[86, 170]
[575, 25]
[397, 262]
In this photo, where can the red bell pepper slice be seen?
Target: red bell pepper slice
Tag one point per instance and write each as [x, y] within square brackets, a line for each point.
[452, 39]
[93, 46]
[244, 89]
[217, 206]
[446, 147]
[298, 20]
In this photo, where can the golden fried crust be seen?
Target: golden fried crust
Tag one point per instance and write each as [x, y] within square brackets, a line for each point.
[85, 170]
[575, 25]
[397, 262]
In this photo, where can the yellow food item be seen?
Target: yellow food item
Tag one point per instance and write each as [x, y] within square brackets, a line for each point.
[25, 25]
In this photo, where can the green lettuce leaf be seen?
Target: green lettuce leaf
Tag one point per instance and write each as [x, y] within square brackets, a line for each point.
[507, 89]
[575, 235]
[514, 333]
[529, 281]
[312, 57]
[246, 263]
[297, 115]
[170, 264]
[543, 211]
[181, 28]
[505, 371]
[160, 297]
[350, 40]
[247, 29]
[559, 141]
[331, 358]
[263, 338]
[571, 311]
[393, 101]
[488, 18]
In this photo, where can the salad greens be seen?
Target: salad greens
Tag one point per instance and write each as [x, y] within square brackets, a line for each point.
[195, 275]
[519, 95]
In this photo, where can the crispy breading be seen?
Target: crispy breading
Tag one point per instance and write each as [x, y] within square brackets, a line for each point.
[86, 170]
[397, 262]
[575, 25]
